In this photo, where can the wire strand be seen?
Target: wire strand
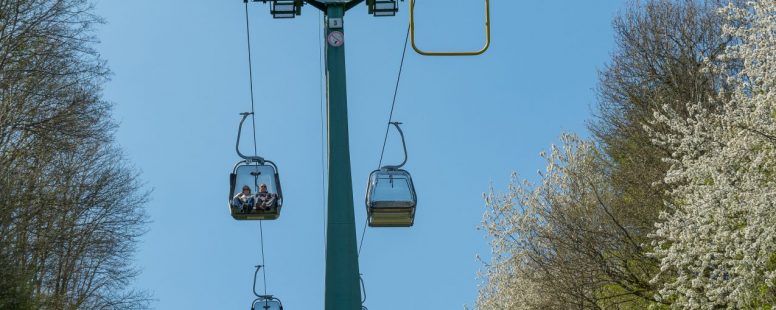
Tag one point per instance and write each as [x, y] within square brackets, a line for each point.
[395, 92]
[255, 144]
[363, 233]
[250, 77]
[388, 125]
[323, 124]
[263, 263]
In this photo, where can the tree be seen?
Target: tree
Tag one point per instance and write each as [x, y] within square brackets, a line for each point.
[562, 243]
[15, 291]
[717, 237]
[71, 207]
[582, 237]
[662, 47]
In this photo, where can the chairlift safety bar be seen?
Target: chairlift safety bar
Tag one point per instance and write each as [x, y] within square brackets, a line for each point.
[453, 53]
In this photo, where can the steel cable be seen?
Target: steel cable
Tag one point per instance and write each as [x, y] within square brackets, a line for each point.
[255, 144]
[388, 125]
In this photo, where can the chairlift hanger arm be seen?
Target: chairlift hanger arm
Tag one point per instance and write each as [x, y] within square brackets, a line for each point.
[237, 144]
[453, 53]
[255, 275]
[403, 144]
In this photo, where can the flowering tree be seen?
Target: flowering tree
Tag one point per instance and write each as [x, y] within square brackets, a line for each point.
[564, 242]
[581, 236]
[716, 241]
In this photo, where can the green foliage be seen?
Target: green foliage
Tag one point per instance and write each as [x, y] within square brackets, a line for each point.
[15, 289]
[615, 296]
[771, 266]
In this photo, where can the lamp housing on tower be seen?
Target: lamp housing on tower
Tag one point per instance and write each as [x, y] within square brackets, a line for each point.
[286, 8]
[382, 7]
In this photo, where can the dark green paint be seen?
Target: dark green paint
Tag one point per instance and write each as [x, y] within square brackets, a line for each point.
[343, 290]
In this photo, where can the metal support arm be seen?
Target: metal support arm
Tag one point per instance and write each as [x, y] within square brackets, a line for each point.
[322, 5]
[237, 145]
[403, 144]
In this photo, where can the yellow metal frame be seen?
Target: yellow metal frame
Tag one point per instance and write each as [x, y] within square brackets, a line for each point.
[464, 53]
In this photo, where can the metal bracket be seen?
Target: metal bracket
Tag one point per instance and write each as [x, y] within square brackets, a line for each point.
[321, 4]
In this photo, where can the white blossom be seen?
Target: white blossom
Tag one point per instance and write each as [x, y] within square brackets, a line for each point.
[717, 241]
[540, 259]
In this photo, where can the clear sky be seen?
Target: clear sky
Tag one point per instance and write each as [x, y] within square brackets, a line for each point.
[180, 78]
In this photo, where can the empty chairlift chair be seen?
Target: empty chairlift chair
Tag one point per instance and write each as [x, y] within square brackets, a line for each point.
[267, 303]
[390, 195]
[264, 302]
[261, 177]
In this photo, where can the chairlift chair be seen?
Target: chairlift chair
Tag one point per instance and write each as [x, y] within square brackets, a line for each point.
[390, 195]
[252, 171]
[267, 302]
[264, 302]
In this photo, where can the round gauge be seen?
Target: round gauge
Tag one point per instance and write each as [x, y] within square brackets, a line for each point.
[336, 38]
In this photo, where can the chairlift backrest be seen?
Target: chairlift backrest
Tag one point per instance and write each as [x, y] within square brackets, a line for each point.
[254, 175]
[391, 188]
[267, 304]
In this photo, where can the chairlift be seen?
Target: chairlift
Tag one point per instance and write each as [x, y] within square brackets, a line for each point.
[267, 302]
[260, 176]
[390, 194]
[264, 302]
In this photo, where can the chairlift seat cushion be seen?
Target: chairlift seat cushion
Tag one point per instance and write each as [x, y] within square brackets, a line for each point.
[271, 214]
[403, 218]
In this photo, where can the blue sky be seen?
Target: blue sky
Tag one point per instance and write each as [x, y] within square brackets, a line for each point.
[180, 78]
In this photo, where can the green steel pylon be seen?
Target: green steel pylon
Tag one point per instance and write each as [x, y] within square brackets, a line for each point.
[343, 289]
